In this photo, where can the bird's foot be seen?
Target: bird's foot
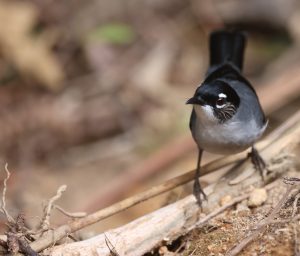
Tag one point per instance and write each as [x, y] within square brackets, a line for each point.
[199, 193]
[258, 162]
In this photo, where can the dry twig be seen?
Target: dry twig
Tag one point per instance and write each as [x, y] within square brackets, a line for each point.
[17, 238]
[70, 214]
[45, 224]
[111, 247]
[3, 202]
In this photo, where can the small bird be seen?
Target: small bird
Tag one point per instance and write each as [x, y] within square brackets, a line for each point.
[227, 117]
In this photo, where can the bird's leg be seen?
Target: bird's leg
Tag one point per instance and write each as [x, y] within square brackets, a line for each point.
[198, 191]
[258, 162]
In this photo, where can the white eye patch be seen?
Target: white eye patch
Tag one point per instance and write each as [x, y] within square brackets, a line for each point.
[222, 95]
[221, 102]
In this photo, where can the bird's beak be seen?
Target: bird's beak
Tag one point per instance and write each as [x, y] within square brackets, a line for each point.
[195, 101]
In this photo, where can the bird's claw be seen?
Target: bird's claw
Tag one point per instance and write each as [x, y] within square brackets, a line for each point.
[199, 193]
[258, 162]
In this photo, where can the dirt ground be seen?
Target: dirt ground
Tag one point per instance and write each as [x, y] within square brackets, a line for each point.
[225, 231]
[229, 228]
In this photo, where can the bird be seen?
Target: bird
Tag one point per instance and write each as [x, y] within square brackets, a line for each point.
[227, 117]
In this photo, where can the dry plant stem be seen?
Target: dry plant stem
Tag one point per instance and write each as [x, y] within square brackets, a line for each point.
[70, 214]
[17, 239]
[47, 210]
[51, 236]
[260, 228]
[25, 248]
[3, 203]
[111, 247]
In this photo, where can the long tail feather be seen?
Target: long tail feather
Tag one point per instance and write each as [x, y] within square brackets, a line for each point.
[227, 46]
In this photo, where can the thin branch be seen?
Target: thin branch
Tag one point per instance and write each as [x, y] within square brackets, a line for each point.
[3, 202]
[25, 247]
[111, 247]
[45, 224]
[70, 214]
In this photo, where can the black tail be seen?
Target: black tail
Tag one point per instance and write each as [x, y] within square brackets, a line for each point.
[226, 46]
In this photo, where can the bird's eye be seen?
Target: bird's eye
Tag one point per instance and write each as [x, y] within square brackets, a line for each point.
[220, 103]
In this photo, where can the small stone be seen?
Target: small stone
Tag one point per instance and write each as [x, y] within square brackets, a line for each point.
[224, 247]
[163, 250]
[225, 199]
[210, 247]
[258, 197]
[242, 209]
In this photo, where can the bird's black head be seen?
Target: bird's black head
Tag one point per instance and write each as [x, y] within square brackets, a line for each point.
[217, 98]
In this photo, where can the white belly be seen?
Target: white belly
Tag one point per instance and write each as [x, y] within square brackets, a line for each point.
[229, 138]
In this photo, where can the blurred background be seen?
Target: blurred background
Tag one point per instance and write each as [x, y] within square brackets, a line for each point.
[92, 93]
